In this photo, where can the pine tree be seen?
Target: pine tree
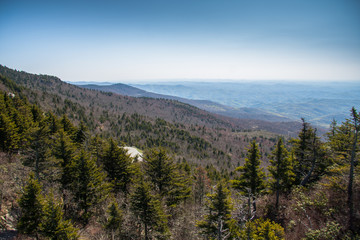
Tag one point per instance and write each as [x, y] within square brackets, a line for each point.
[218, 224]
[9, 138]
[251, 181]
[31, 205]
[115, 220]
[67, 125]
[280, 170]
[64, 151]
[168, 180]
[117, 164]
[80, 134]
[89, 187]
[53, 225]
[309, 156]
[262, 229]
[38, 151]
[53, 123]
[160, 168]
[148, 209]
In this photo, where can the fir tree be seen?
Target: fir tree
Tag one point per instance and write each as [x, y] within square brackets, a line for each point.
[114, 221]
[52, 122]
[280, 170]
[89, 187]
[38, 151]
[167, 179]
[67, 125]
[309, 157]
[64, 151]
[9, 138]
[31, 206]
[218, 224]
[148, 209]
[53, 225]
[160, 168]
[80, 134]
[251, 181]
[117, 164]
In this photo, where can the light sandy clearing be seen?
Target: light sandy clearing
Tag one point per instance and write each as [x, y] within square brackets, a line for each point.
[134, 153]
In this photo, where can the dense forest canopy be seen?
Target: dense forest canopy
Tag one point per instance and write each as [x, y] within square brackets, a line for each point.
[65, 175]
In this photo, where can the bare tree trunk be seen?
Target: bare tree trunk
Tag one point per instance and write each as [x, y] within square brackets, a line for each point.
[351, 174]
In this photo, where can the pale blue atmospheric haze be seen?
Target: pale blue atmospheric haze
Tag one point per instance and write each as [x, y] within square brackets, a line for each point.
[139, 40]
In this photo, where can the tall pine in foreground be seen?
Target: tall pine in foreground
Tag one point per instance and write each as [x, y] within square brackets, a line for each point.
[53, 225]
[251, 180]
[89, 187]
[147, 209]
[218, 224]
[114, 221]
[117, 164]
[281, 171]
[167, 179]
[31, 207]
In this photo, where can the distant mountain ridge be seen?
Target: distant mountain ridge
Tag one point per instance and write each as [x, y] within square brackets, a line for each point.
[207, 105]
[317, 102]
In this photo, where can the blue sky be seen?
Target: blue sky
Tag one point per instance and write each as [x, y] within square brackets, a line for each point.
[136, 40]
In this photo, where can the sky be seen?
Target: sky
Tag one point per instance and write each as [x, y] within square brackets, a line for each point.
[157, 40]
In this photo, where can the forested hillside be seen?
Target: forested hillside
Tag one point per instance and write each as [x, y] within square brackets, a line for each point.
[65, 175]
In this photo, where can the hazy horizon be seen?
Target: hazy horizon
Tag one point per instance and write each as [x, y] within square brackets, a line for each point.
[132, 41]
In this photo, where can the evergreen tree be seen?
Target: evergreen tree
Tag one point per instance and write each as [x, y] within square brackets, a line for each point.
[67, 125]
[167, 179]
[80, 134]
[251, 181]
[148, 209]
[38, 151]
[218, 224]
[64, 151]
[117, 164]
[114, 221]
[280, 170]
[9, 138]
[309, 156]
[53, 123]
[160, 168]
[31, 206]
[262, 230]
[89, 187]
[53, 225]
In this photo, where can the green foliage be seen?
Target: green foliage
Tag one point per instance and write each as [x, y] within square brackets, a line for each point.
[53, 225]
[218, 223]
[167, 179]
[31, 206]
[114, 221]
[117, 164]
[329, 232]
[64, 151]
[147, 209]
[262, 230]
[252, 176]
[38, 150]
[89, 186]
[9, 137]
[281, 170]
[309, 155]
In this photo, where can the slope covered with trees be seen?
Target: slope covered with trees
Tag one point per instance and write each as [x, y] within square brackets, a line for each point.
[70, 180]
